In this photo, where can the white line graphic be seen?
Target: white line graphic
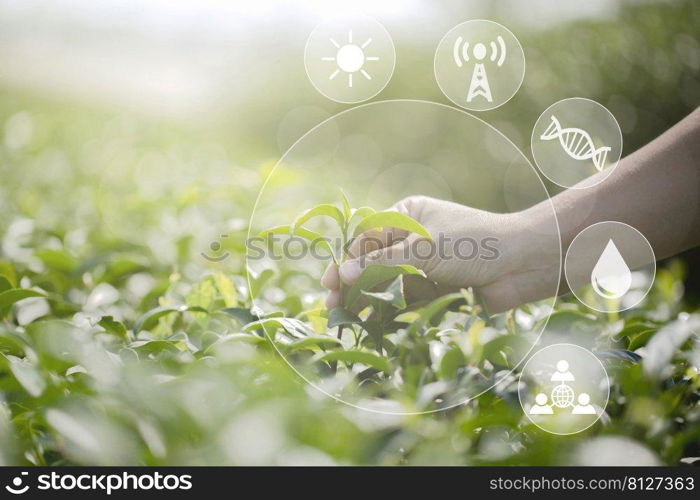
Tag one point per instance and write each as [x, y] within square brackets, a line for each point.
[576, 143]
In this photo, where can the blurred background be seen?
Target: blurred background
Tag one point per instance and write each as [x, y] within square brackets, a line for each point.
[107, 97]
[135, 134]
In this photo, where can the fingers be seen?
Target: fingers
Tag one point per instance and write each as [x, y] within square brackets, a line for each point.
[333, 299]
[330, 279]
[388, 247]
[350, 271]
[397, 254]
[373, 239]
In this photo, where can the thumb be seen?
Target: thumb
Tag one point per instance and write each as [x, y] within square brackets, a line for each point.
[394, 255]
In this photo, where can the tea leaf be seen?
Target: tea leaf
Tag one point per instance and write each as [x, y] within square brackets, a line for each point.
[318, 211]
[640, 339]
[363, 212]
[451, 361]
[340, 316]
[243, 315]
[619, 354]
[347, 211]
[28, 375]
[393, 219]
[57, 259]
[113, 326]
[307, 234]
[366, 358]
[432, 311]
[248, 338]
[315, 341]
[13, 295]
[7, 271]
[664, 344]
[149, 319]
[374, 275]
[292, 326]
[258, 280]
[393, 295]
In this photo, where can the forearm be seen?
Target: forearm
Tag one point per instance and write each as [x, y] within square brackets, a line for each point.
[655, 190]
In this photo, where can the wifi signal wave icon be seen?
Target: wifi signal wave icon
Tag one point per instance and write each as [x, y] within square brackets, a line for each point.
[479, 85]
[460, 51]
[577, 143]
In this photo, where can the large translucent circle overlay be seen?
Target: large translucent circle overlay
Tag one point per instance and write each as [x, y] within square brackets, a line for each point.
[427, 148]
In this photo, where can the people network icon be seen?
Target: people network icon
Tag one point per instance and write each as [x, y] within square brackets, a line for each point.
[562, 395]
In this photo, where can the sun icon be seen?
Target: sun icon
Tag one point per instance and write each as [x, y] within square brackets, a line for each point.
[350, 58]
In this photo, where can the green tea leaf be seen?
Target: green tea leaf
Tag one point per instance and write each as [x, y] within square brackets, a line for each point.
[149, 319]
[393, 295]
[340, 316]
[243, 315]
[57, 259]
[283, 229]
[661, 348]
[10, 297]
[10, 344]
[120, 268]
[7, 271]
[320, 211]
[292, 326]
[258, 280]
[393, 219]
[247, 338]
[374, 275]
[366, 358]
[202, 294]
[451, 362]
[363, 212]
[347, 211]
[505, 350]
[635, 329]
[640, 339]
[5, 284]
[28, 375]
[154, 346]
[623, 354]
[307, 234]
[315, 341]
[227, 289]
[432, 312]
[113, 326]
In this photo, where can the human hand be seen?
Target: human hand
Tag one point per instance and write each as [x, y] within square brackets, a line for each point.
[470, 247]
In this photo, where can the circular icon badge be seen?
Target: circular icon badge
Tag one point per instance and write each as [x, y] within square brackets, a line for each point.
[350, 60]
[563, 389]
[574, 139]
[479, 65]
[610, 266]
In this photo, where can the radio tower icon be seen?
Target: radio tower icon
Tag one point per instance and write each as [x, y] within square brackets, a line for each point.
[479, 85]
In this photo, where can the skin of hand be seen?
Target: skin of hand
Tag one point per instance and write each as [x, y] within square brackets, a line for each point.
[470, 247]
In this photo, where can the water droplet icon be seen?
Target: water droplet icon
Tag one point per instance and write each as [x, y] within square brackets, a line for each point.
[611, 277]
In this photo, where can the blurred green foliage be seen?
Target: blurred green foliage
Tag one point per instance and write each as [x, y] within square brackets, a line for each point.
[133, 349]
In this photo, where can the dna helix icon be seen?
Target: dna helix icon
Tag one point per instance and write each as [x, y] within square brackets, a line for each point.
[576, 143]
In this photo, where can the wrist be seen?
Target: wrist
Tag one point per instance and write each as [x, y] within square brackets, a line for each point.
[530, 260]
